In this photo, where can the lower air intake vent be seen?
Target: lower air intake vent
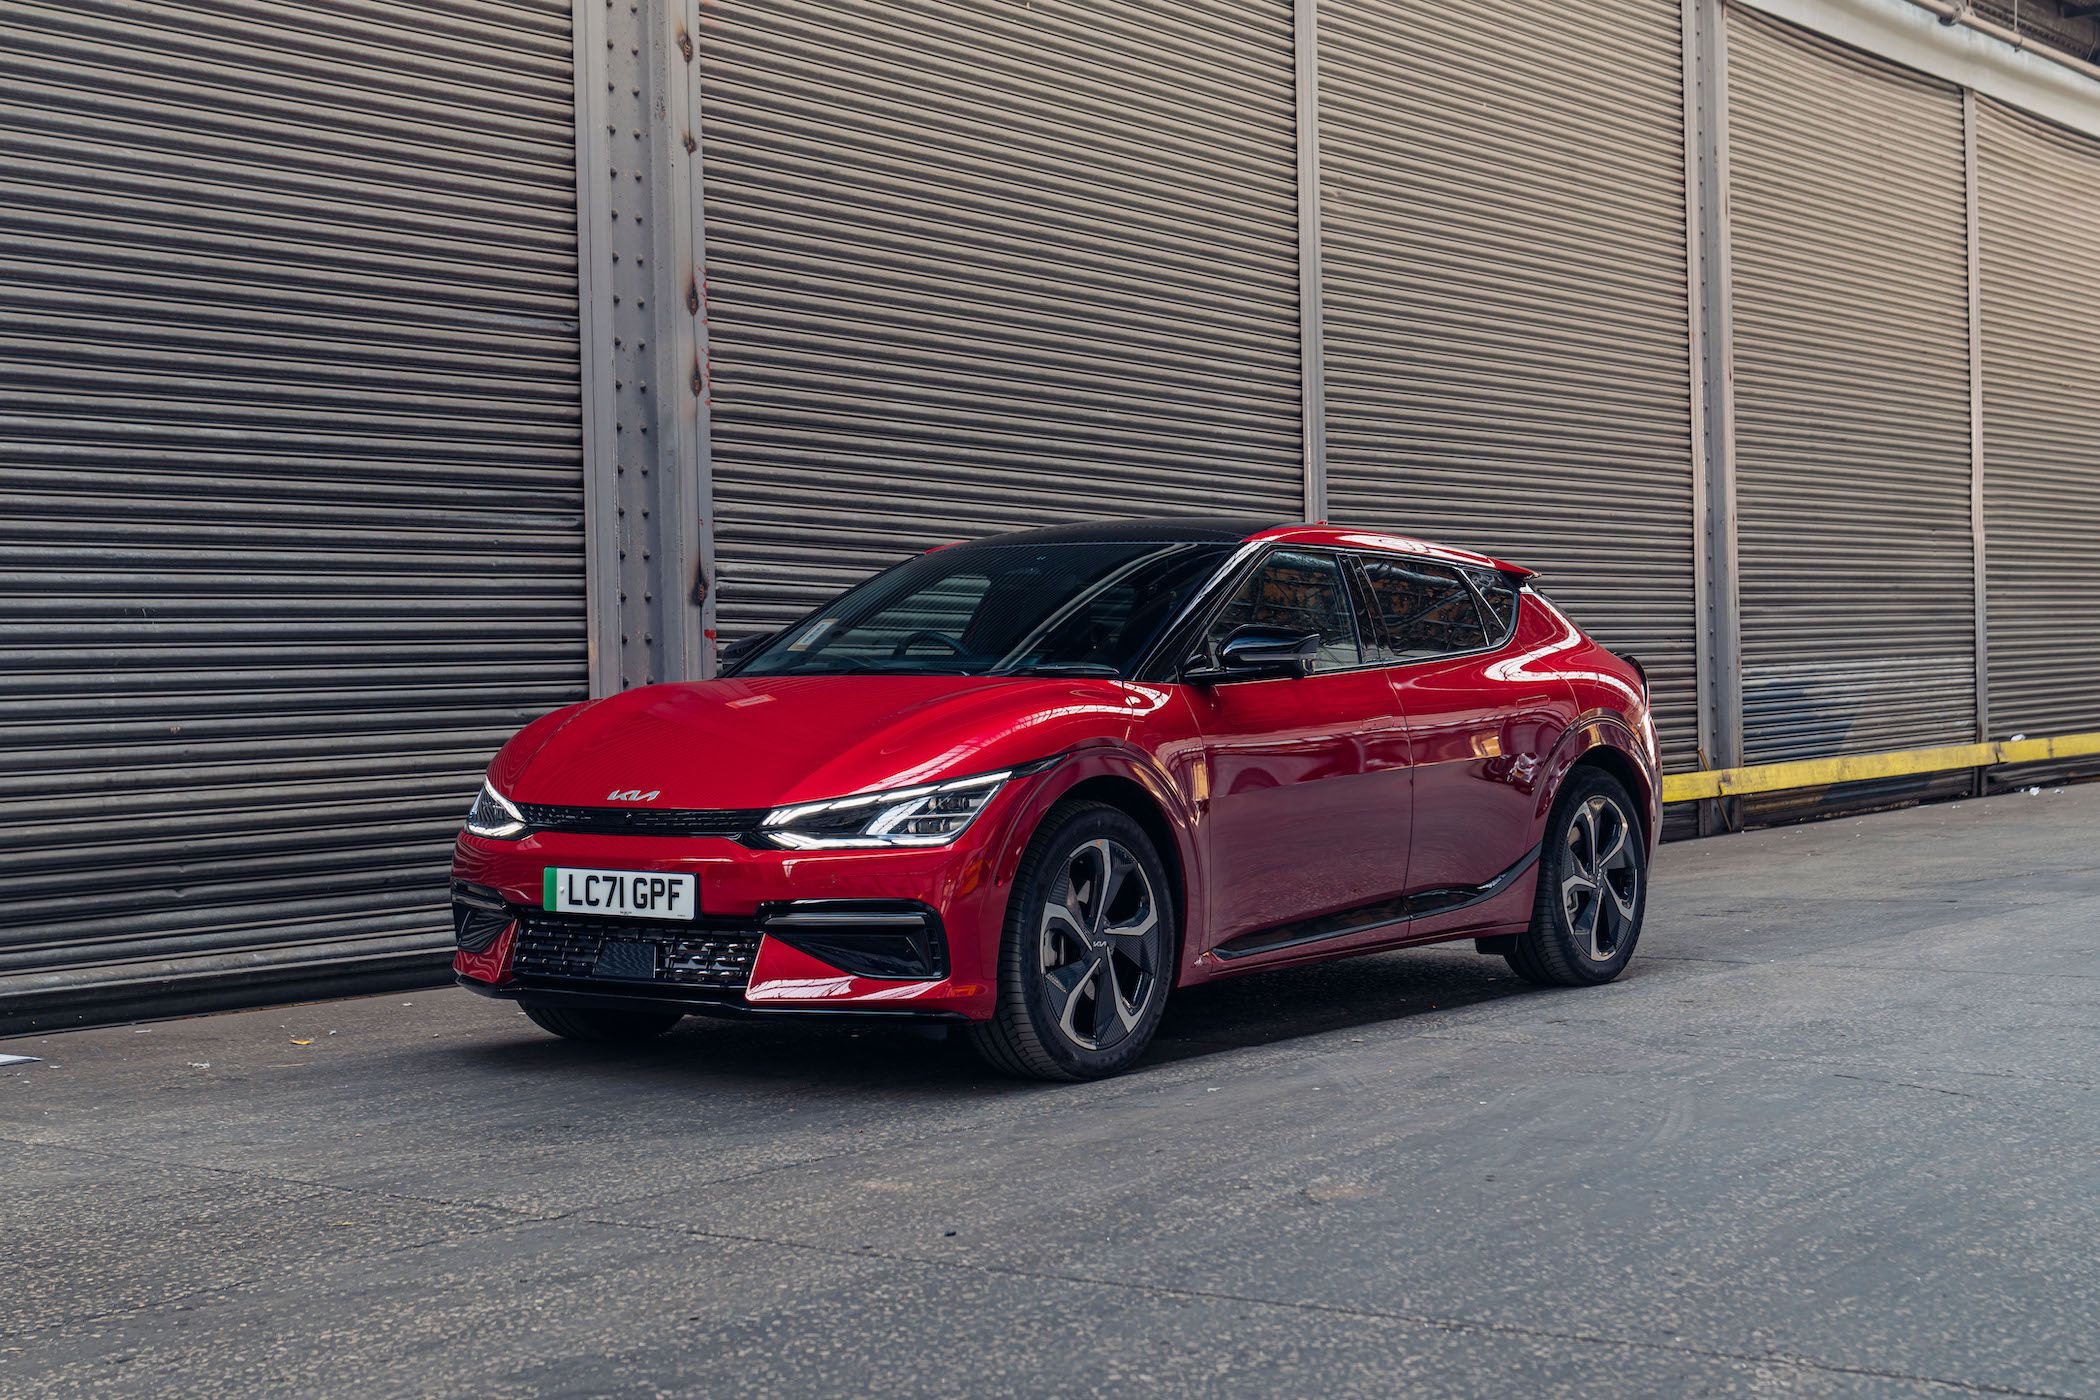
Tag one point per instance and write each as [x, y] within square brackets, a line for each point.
[570, 949]
[479, 916]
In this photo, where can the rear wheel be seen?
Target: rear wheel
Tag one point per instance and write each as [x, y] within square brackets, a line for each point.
[1593, 888]
[602, 1027]
[1087, 954]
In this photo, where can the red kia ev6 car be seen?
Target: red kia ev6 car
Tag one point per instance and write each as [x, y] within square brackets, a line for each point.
[1031, 785]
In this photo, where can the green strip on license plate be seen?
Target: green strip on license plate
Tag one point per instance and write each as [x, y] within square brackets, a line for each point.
[547, 888]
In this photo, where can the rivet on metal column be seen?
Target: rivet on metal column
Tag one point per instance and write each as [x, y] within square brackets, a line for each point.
[1713, 398]
[1312, 335]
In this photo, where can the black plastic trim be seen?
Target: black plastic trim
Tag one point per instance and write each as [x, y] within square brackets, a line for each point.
[895, 940]
[725, 1005]
[727, 822]
[1364, 918]
[713, 953]
[479, 916]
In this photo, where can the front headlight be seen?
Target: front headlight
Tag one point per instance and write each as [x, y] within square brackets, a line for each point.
[933, 815]
[493, 816]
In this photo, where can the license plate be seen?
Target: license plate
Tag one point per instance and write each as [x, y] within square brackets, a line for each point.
[621, 894]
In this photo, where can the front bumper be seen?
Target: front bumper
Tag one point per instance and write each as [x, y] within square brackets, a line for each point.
[891, 933]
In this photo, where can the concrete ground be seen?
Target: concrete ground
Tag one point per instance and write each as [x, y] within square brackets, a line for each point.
[1835, 1133]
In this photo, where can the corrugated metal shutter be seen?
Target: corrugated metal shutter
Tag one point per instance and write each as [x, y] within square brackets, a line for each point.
[2040, 201]
[290, 475]
[1851, 399]
[986, 264]
[1506, 309]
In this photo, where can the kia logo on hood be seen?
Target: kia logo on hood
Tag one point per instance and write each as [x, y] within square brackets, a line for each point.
[634, 795]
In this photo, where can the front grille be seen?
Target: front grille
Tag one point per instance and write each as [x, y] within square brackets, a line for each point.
[641, 821]
[679, 955]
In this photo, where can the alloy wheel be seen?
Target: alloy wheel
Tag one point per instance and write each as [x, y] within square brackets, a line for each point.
[1097, 949]
[1601, 886]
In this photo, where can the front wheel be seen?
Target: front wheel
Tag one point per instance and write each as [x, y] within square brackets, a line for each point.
[1593, 888]
[602, 1027]
[1086, 958]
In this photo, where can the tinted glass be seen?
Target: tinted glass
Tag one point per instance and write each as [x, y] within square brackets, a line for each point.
[983, 609]
[1422, 610]
[1298, 591]
[1498, 600]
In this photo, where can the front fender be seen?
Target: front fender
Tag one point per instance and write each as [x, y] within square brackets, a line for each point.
[1119, 761]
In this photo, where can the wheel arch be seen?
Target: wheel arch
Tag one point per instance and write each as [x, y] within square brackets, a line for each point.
[1608, 746]
[1137, 802]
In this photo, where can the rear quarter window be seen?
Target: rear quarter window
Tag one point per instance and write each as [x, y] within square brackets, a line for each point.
[1498, 603]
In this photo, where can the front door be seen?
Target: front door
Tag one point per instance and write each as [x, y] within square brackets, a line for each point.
[1308, 778]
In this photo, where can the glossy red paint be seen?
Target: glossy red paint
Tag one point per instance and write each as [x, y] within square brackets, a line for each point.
[491, 964]
[1311, 796]
[778, 740]
[1274, 801]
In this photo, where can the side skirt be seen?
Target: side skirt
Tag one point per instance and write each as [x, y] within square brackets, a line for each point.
[1364, 918]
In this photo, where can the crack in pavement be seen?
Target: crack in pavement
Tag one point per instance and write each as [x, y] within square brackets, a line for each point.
[1904, 1084]
[1915, 969]
[1826, 1062]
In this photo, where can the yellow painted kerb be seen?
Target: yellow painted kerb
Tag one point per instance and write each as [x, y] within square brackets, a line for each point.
[1820, 772]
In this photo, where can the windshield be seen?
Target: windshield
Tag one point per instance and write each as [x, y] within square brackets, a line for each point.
[1078, 608]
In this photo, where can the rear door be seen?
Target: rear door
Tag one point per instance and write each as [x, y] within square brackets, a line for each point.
[1480, 723]
[1310, 794]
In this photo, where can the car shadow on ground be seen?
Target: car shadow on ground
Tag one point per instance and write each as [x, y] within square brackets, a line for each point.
[1265, 1008]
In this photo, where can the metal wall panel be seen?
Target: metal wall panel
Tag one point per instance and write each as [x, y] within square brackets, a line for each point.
[981, 264]
[1508, 354]
[2039, 192]
[290, 481]
[1851, 399]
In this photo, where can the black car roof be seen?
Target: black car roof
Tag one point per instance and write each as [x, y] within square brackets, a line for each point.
[1205, 529]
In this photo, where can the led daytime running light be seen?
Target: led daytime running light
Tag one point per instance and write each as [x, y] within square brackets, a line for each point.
[493, 816]
[912, 816]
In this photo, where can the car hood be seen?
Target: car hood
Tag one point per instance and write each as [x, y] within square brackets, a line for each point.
[773, 740]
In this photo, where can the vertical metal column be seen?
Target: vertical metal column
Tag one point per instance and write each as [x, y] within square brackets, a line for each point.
[1713, 397]
[1312, 333]
[1976, 523]
[594, 294]
[686, 521]
[647, 458]
[1976, 520]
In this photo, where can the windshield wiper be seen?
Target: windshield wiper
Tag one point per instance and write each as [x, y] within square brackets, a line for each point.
[1066, 668]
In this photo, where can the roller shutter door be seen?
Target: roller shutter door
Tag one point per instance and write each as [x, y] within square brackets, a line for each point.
[1506, 310]
[2040, 202]
[987, 264]
[1852, 400]
[290, 478]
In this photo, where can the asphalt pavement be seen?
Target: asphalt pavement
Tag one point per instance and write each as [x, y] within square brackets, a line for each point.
[1836, 1132]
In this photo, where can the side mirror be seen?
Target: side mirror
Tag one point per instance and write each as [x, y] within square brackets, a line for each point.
[1258, 653]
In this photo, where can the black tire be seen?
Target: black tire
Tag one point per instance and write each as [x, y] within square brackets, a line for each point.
[603, 1027]
[1593, 887]
[1065, 950]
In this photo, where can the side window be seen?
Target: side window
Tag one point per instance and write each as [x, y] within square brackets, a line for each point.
[1300, 590]
[1498, 600]
[1422, 610]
